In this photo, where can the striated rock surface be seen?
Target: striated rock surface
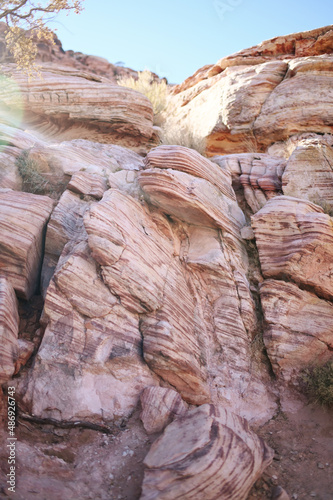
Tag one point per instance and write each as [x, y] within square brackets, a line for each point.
[208, 453]
[294, 239]
[159, 407]
[65, 225]
[286, 83]
[298, 328]
[259, 176]
[70, 104]
[89, 365]
[9, 325]
[23, 217]
[303, 44]
[88, 184]
[309, 172]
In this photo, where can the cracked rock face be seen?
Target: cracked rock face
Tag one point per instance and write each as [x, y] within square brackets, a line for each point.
[146, 292]
[180, 297]
[209, 454]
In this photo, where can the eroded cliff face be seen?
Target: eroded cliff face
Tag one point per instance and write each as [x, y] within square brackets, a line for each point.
[164, 299]
[258, 96]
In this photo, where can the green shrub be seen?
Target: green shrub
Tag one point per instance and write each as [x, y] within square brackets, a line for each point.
[156, 91]
[33, 180]
[318, 383]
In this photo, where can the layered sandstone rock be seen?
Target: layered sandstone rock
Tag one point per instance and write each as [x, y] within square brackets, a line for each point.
[304, 44]
[298, 328]
[90, 358]
[309, 172]
[23, 217]
[258, 174]
[9, 323]
[294, 239]
[70, 104]
[159, 407]
[286, 83]
[208, 453]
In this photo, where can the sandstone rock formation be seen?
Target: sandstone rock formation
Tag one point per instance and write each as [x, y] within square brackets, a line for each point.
[209, 454]
[277, 79]
[9, 321]
[309, 172]
[259, 175]
[299, 328]
[66, 104]
[177, 294]
[159, 407]
[54, 53]
[23, 217]
[300, 246]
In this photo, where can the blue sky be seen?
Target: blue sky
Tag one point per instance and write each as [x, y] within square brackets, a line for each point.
[176, 37]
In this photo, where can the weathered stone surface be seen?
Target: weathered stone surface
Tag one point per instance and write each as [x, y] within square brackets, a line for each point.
[303, 44]
[191, 199]
[120, 231]
[70, 157]
[9, 321]
[65, 225]
[23, 217]
[25, 349]
[309, 172]
[258, 174]
[218, 113]
[191, 162]
[89, 366]
[159, 407]
[211, 248]
[300, 103]
[294, 238]
[88, 184]
[209, 453]
[70, 104]
[299, 328]
[171, 340]
[285, 82]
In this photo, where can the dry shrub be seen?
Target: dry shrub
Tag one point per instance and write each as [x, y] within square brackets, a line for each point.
[181, 136]
[318, 383]
[36, 182]
[156, 91]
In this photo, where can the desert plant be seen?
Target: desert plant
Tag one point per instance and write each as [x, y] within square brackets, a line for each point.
[155, 90]
[33, 180]
[182, 136]
[318, 383]
[20, 15]
[324, 204]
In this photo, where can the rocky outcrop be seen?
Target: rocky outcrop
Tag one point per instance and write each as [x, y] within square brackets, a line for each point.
[304, 44]
[54, 53]
[294, 239]
[23, 217]
[257, 174]
[159, 407]
[163, 309]
[309, 172]
[67, 104]
[298, 328]
[9, 325]
[208, 453]
[286, 83]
